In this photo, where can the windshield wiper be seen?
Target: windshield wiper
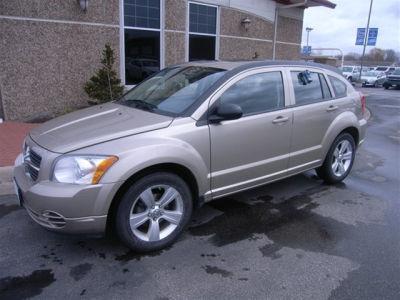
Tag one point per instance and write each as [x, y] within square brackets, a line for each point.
[141, 104]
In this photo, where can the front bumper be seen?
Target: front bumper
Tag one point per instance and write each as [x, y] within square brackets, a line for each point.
[64, 207]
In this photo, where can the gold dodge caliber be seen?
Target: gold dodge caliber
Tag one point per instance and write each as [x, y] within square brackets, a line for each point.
[189, 134]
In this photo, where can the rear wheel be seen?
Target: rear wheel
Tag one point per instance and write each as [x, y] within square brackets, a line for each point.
[339, 160]
[154, 212]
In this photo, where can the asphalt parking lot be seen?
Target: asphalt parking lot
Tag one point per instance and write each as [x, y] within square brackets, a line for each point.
[295, 239]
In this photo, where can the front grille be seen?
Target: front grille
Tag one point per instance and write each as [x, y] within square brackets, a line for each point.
[32, 163]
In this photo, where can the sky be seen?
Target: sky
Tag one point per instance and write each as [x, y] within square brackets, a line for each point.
[336, 28]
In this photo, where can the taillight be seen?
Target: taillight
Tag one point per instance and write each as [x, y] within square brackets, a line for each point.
[363, 103]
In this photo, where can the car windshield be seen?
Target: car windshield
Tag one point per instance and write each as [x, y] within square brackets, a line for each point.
[381, 69]
[172, 90]
[347, 69]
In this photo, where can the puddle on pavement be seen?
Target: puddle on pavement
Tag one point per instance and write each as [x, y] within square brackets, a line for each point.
[289, 223]
[213, 270]
[131, 255]
[23, 287]
[80, 271]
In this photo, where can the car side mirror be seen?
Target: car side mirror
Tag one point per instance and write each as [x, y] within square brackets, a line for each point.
[224, 112]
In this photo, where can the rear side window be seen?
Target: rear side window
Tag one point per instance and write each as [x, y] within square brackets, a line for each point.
[256, 93]
[313, 91]
[339, 87]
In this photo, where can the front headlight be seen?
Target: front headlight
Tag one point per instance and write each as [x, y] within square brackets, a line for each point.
[82, 169]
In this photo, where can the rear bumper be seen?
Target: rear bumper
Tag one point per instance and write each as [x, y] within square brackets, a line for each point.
[64, 207]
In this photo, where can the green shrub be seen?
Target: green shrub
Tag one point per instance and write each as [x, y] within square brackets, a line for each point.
[105, 85]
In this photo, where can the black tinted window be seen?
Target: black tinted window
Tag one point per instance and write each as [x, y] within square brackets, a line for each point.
[339, 87]
[201, 47]
[142, 54]
[257, 93]
[307, 93]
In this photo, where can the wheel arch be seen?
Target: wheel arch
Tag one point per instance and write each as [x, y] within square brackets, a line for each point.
[178, 169]
[345, 122]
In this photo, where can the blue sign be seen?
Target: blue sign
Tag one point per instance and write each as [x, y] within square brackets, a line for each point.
[372, 36]
[306, 50]
[360, 36]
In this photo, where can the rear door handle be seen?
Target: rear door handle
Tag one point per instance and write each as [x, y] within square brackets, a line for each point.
[280, 119]
[332, 108]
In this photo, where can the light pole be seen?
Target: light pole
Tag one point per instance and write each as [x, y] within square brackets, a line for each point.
[308, 29]
[365, 38]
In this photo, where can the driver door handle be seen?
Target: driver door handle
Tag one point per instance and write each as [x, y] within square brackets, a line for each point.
[332, 108]
[280, 119]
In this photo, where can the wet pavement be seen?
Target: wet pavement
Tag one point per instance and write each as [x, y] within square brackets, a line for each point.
[294, 239]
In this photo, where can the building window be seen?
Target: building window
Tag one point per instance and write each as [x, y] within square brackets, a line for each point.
[202, 32]
[142, 37]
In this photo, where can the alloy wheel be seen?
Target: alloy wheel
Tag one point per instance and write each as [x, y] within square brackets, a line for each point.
[156, 213]
[342, 157]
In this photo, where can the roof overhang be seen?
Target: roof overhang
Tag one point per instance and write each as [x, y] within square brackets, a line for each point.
[310, 3]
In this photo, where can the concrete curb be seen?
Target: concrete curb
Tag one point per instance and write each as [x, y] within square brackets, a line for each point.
[6, 183]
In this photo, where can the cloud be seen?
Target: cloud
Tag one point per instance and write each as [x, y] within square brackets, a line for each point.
[336, 28]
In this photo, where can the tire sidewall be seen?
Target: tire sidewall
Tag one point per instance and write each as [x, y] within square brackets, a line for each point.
[124, 208]
[328, 162]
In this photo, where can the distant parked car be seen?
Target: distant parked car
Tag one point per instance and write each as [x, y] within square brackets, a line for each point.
[373, 78]
[352, 73]
[387, 70]
[392, 80]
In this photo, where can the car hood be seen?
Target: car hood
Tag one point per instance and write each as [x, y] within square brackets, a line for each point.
[95, 125]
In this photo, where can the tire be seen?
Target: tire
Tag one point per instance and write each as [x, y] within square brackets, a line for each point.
[386, 86]
[332, 173]
[376, 84]
[143, 203]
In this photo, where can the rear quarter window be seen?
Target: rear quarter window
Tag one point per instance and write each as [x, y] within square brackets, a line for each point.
[339, 87]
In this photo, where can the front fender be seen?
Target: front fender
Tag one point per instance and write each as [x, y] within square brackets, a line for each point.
[137, 153]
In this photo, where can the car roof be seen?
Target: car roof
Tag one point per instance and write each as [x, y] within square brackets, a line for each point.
[242, 65]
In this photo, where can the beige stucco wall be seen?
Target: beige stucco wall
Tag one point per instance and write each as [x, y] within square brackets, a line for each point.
[289, 30]
[285, 51]
[100, 11]
[174, 36]
[231, 25]
[256, 42]
[44, 65]
[174, 48]
[175, 14]
[234, 48]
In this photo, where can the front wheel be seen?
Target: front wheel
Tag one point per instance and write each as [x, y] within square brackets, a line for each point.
[339, 160]
[154, 212]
